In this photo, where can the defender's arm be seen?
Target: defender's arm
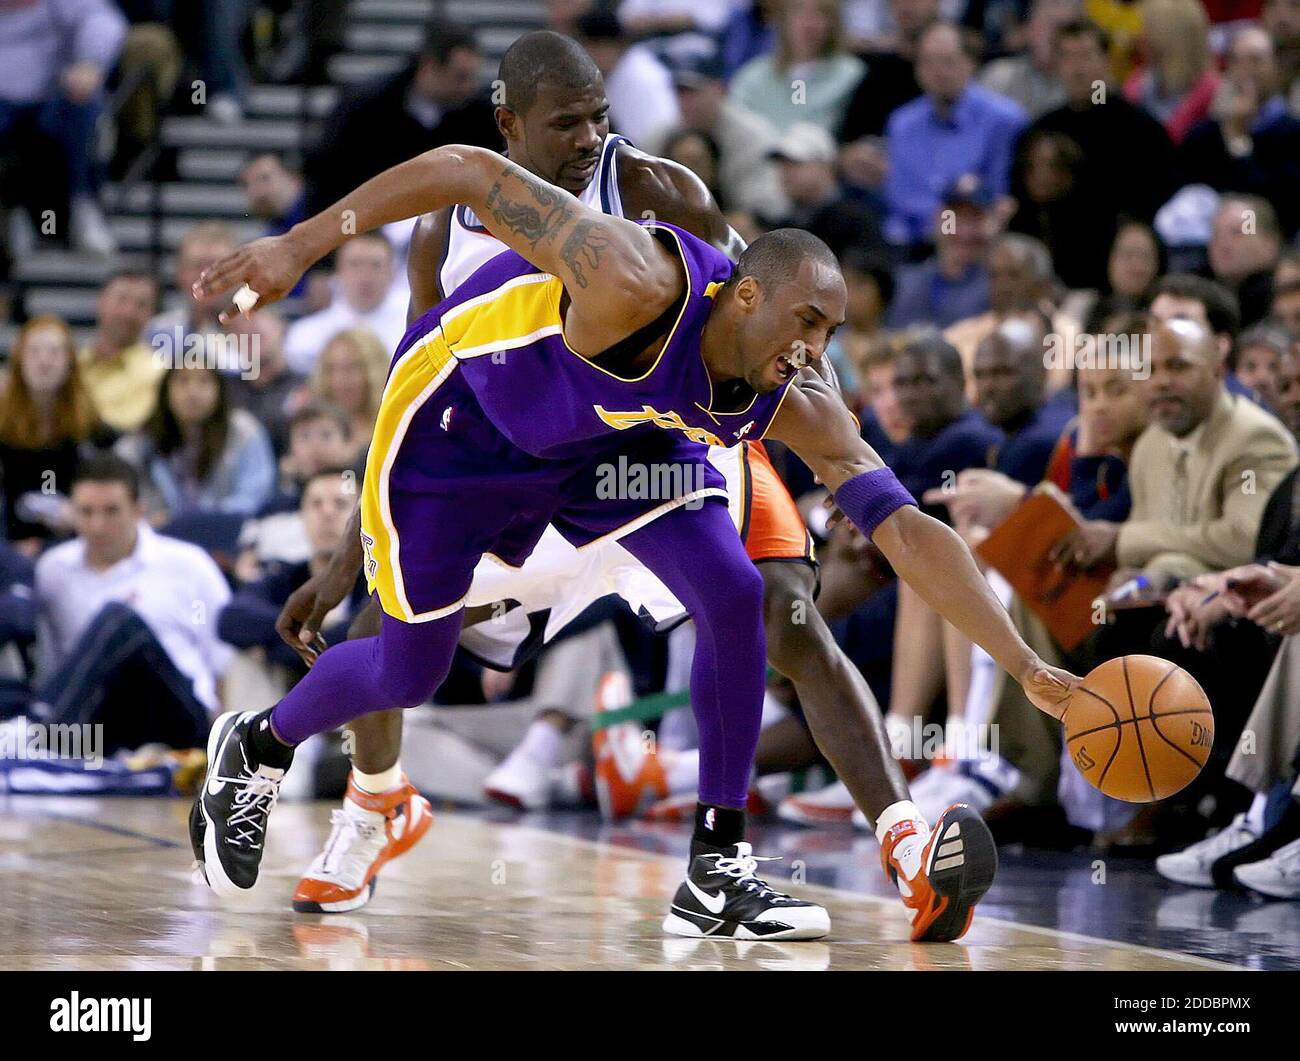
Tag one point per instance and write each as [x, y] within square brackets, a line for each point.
[814, 422]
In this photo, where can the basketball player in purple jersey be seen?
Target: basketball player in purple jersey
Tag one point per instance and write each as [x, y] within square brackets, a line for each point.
[601, 337]
[557, 128]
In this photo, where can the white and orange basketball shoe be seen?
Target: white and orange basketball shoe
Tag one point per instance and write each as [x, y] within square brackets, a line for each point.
[368, 832]
[628, 774]
[941, 873]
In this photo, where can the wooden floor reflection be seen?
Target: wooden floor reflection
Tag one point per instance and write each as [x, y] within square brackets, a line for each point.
[105, 884]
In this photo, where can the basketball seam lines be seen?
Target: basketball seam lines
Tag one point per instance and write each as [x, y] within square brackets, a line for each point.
[1139, 718]
[1155, 725]
[1181, 751]
[1137, 730]
[1115, 752]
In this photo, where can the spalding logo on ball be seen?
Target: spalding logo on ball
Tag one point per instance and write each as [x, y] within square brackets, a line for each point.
[1139, 728]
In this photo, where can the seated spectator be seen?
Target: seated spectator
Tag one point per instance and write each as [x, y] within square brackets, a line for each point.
[1020, 279]
[319, 437]
[1282, 20]
[17, 624]
[169, 332]
[746, 176]
[1010, 379]
[125, 649]
[1210, 305]
[1138, 258]
[1248, 142]
[1244, 247]
[748, 34]
[1178, 82]
[1106, 128]
[435, 100]
[644, 19]
[809, 77]
[1191, 511]
[1262, 352]
[276, 193]
[196, 454]
[1030, 77]
[248, 620]
[957, 129]
[888, 82]
[350, 376]
[151, 61]
[642, 103]
[699, 153]
[884, 424]
[1286, 307]
[54, 59]
[953, 284]
[47, 424]
[364, 296]
[212, 31]
[806, 156]
[274, 391]
[117, 367]
[869, 282]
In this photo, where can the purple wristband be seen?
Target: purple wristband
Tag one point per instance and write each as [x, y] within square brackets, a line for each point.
[868, 499]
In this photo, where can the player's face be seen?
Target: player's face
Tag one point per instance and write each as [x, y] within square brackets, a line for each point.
[791, 325]
[559, 137]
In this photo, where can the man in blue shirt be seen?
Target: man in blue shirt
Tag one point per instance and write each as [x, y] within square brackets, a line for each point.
[957, 127]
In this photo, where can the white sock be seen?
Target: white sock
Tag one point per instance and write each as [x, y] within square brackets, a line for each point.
[682, 769]
[378, 784]
[542, 743]
[902, 811]
[1255, 816]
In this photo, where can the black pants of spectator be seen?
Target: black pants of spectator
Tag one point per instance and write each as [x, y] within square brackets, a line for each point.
[1232, 673]
[119, 676]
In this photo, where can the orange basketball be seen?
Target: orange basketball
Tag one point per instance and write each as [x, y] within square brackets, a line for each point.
[1139, 728]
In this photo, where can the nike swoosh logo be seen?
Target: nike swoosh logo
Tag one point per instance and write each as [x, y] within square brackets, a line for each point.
[712, 903]
[215, 787]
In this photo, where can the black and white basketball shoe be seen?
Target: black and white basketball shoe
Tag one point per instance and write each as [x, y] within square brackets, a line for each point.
[228, 821]
[721, 896]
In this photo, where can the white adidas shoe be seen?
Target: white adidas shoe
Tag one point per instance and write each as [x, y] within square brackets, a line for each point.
[1193, 865]
[1277, 876]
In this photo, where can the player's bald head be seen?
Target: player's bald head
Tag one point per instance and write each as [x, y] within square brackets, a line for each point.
[782, 256]
[544, 57]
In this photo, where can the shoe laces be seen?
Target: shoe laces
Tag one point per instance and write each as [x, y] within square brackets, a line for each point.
[352, 845]
[252, 806]
[741, 870]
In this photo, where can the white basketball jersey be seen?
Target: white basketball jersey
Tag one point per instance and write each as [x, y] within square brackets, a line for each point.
[470, 245]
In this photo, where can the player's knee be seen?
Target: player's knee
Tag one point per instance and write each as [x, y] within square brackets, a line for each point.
[410, 683]
[797, 638]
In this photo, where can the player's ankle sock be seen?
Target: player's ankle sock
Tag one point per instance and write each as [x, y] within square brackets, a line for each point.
[716, 829]
[681, 769]
[378, 784]
[270, 750]
[902, 811]
[542, 743]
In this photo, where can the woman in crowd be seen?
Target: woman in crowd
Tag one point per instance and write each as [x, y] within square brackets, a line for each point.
[809, 77]
[350, 375]
[47, 421]
[197, 454]
[1177, 82]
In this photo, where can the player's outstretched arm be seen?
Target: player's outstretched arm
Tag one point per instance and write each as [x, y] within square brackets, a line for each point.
[814, 422]
[614, 271]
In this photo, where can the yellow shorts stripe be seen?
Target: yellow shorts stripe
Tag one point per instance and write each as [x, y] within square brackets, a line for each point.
[413, 380]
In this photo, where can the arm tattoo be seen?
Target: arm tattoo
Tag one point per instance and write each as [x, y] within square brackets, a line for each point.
[537, 221]
[582, 249]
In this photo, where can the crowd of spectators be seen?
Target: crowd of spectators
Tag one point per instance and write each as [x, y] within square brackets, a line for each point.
[997, 181]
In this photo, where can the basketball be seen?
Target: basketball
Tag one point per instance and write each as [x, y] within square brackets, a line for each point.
[1139, 728]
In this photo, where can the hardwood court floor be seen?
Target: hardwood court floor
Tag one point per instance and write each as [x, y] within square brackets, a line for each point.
[88, 883]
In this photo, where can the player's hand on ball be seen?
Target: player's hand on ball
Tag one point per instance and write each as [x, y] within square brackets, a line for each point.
[269, 266]
[1049, 688]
